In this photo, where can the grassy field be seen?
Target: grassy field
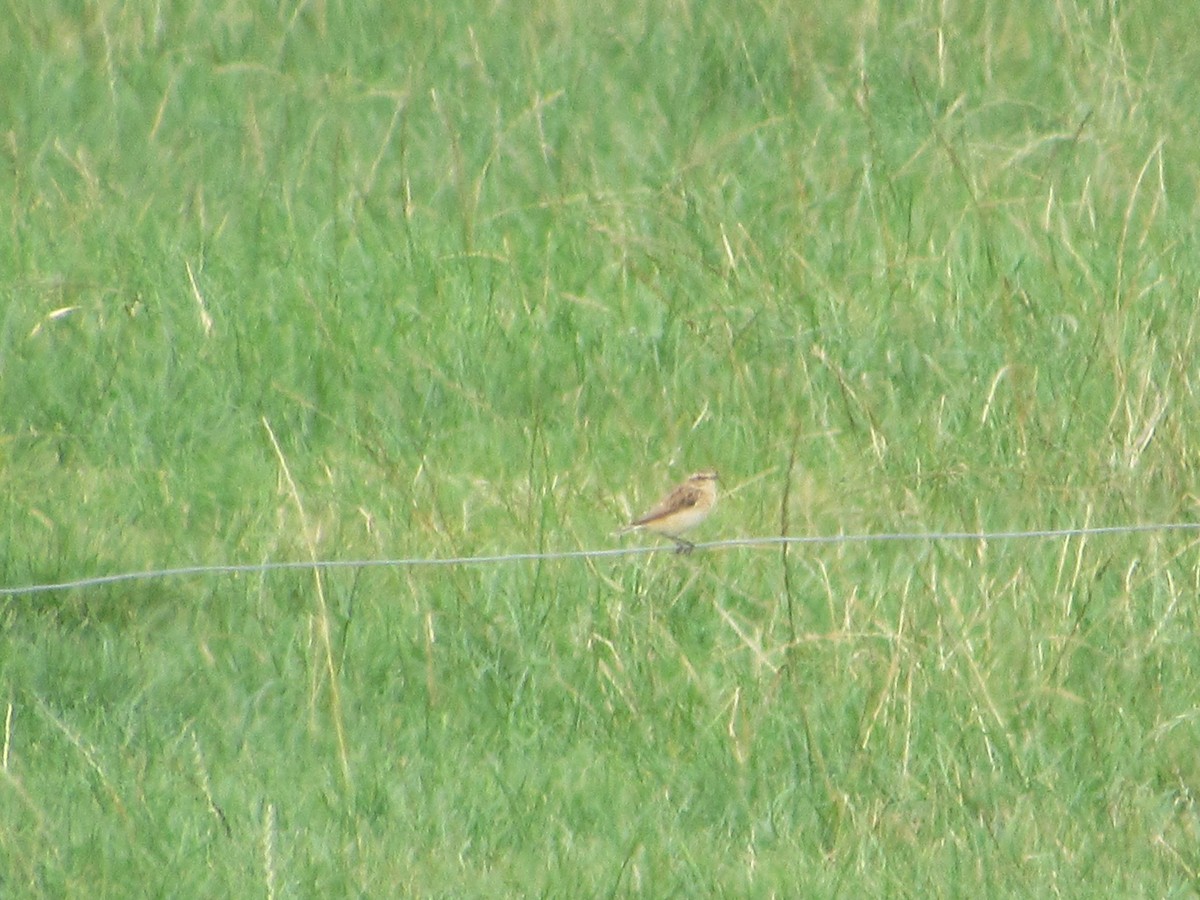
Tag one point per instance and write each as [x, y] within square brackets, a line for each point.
[365, 281]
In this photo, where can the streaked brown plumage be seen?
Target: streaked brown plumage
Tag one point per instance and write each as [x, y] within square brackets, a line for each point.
[681, 510]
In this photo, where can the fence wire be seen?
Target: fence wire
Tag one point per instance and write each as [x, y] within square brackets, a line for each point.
[554, 555]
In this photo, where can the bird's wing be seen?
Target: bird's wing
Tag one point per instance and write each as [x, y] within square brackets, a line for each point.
[684, 497]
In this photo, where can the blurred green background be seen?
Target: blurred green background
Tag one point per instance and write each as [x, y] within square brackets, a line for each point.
[365, 281]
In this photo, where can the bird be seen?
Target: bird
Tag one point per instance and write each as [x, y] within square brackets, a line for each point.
[682, 509]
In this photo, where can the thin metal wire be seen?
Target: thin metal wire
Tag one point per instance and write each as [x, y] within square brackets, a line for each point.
[413, 562]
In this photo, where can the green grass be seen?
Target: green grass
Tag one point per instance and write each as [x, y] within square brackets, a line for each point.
[492, 276]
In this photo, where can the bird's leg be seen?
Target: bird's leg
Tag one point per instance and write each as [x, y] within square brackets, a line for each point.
[682, 546]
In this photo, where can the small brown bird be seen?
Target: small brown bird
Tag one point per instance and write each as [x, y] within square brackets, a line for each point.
[681, 510]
